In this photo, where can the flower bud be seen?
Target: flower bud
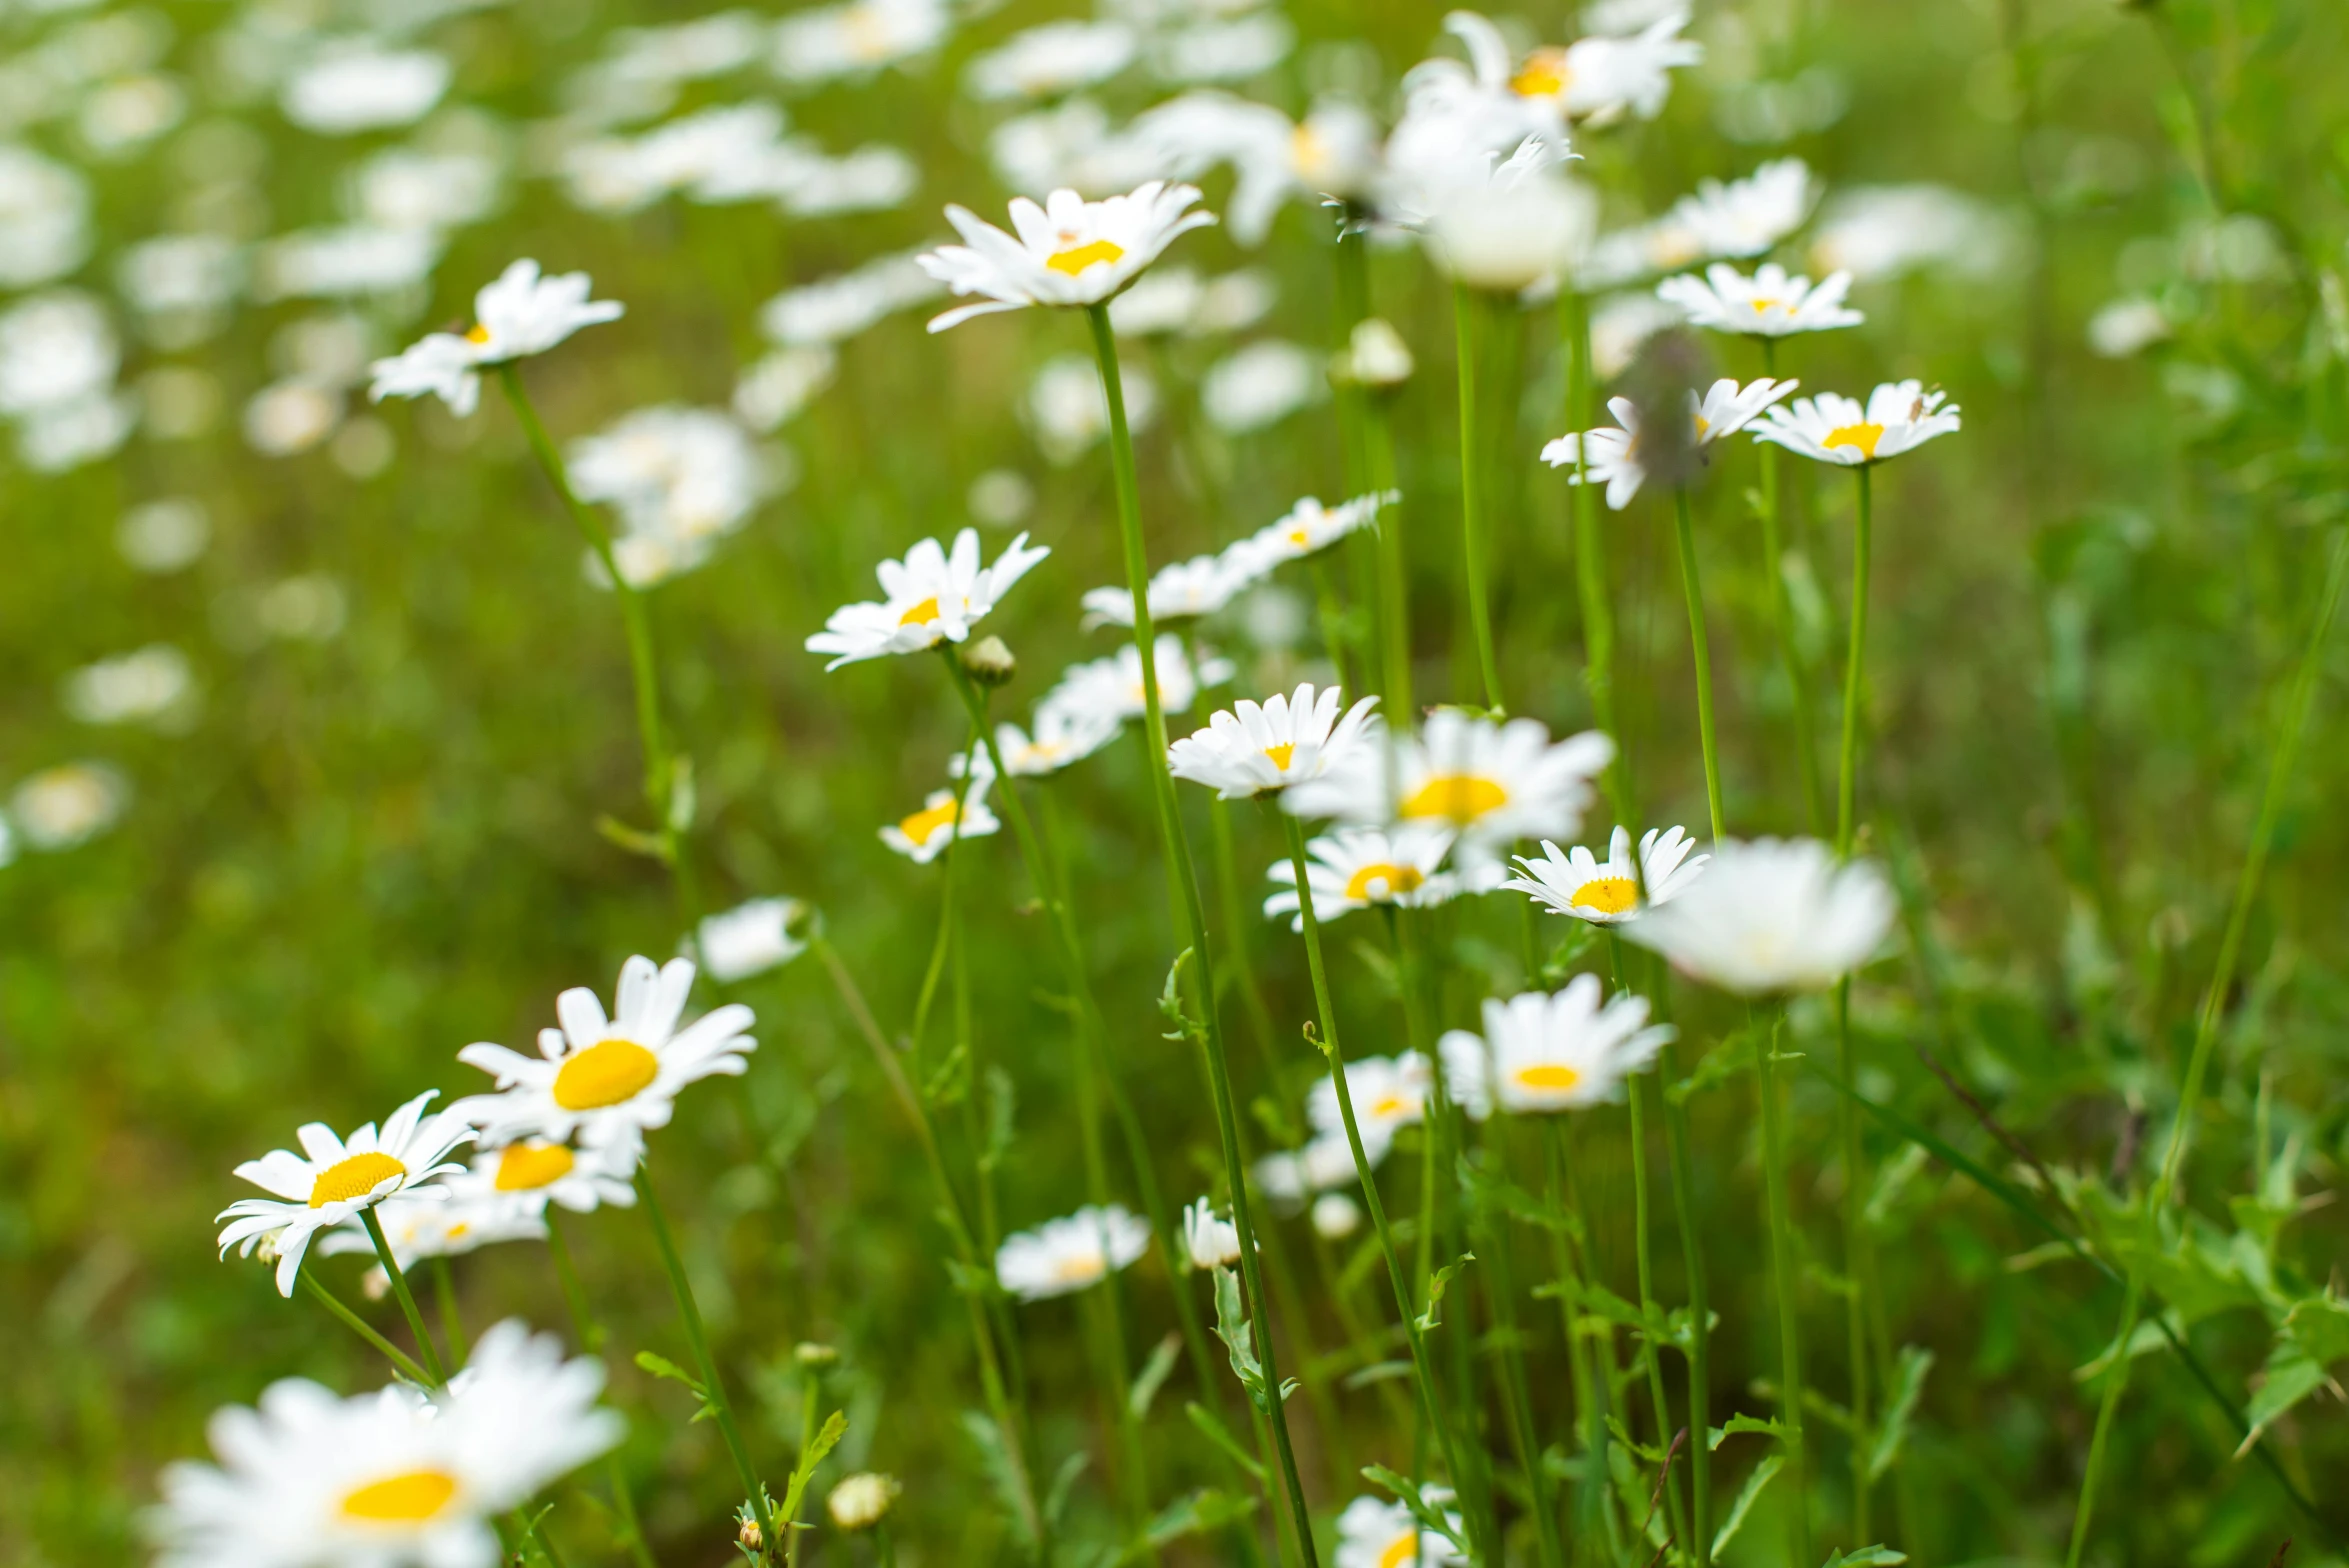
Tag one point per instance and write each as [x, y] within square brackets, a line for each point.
[989, 662]
[747, 1533]
[810, 1354]
[1376, 356]
[861, 1501]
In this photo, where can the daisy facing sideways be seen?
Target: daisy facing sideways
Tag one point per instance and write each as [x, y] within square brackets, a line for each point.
[933, 596]
[1376, 1533]
[519, 315]
[947, 815]
[1069, 251]
[1489, 781]
[1556, 1052]
[1068, 1254]
[1110, 689]
[1355, 868]
[1770, 304]
[1389, 1092]
[386, 1478]
[531, 1173]
[1184, 590]
[332, 1181]
[1061, 735]
[610, 1080]
[1610, 455]
[1899, 417]
[418, 1229]
[1208, 1238]
[1607, 892]
[1772, 915]
[1308, 529]
[1252, 749]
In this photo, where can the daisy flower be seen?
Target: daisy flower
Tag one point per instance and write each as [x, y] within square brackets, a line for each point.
[1597, 80]
[1327, 1161]
[856, 39]
[530, 1173]
[1306, 529]
[1335, 1216]
[1505, 224]
[933, 597]
[1611, 457]
[1332, 152]
[1208, 1238]
[1355, 868]
[418, 1230]
[946, 816]
[610, 1080]
[333, 1180]
[749, 939]
[1069, 251]
[1487, 780]
[1055, 58]
[1184, 590]
[1389, 1093]
[1770, 304]
[519, 315]
[1110, 689]
[863, 1500]
[1375, 1533]
[1772, 915]
[1250, 749]
[1746, 217]
[1899, 416]
[1068, 1254]
[1061, 736]
[1607, 892]
[1551, 1053]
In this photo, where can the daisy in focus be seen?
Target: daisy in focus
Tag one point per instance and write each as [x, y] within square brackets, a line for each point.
[333, 1180]
[946, 815]
[1900, 416]
[932, 597]
[1389, 1093]
[1208, 1238]
[1357, 868]
[1610, 455]
[1488, 781]
[1770, 304]
[531, 1173]
[609, 1080]
[1607, 892]
[519, 315]
[1062, 1256]
[1251, 749]
[1772, 915]
[1307, 529]
[1069, 251]
[1375, 1533]
[1556, 1052]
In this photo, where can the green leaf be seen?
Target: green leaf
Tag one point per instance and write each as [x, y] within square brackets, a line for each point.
[995, 1458]
[1745, 1500]
[663, 1367]
[1432, 1520]
[951, 1080]
[970, 1279]
[634, 840]
[1724, 1062]
[828, 1438]
[1195, 1513]
[2290, 1377]
[1429, 1320]
[1002, 1104]
[1376, 1372]
[2319, 1325]
[1715, 1436]
[1908, 1383]
[1153, 1375]
[1239, 1340]
[1866, 1557]
[1170, 1002]
[1212, 1428]
[1064, 1482]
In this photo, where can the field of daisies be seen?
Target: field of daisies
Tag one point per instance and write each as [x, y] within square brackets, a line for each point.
[1112, 783]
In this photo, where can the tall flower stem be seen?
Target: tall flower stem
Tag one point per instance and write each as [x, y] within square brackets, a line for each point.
[1782, 618]
[426, 1351]
[1185, 877]
[1700, 1311]
[444, 1295]
[1591, 1380]
[1778, 1211]
[2283, 755]
[591, 1340]
[1700, 650]
[1855, 1197]
[400, 1360]
[1590, 560]
[1423, 1371]
[661, 776]
[1472, 520]
[713, 1383]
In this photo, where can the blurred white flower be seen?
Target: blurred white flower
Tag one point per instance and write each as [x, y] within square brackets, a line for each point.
[1620, 324]
[1069, 1254]
[150, 685]
[932, 597]
[410, 188]
[307, 608]
[1209, 1239]
[1375, 356]
[56, 350]
[70, 804]
[1069, 251]
[2127, 327]
[1109, 690]
[1289, 1179]
[1062, 735]
[1506, 225]
[163, 536]
[1608, 892]
[340, 263]
[833, 310]
[1597, 80]
[1260, 385]
[291, 416]
[1170, 300]
[1307, 528]
[1335, 1216]
[182, 283]
[1252, 749]
[44, 217]
[449, 1224]
[1490, 781]
[1070, 144]
[1770, 304]
[1047, 61]
[360, 86]
[1001, 497]
[673, 473]
[65, 436]
[1180, 590]
[1230, 50]
[1879, 232]
[1068, 412]
[1772, 915]
[774, 389]
[1748, 217]
[862, 1501]
[749, 939]
[1557, 1052]
[853, 40]
[518, 315]
[1356, 868]
[1389, 1094]
[121, 117]
[1899, 417]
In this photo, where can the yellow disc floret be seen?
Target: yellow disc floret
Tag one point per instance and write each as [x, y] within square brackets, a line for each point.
[1607, 895]
[1548, 1077]
[1078, 257]
[1458, 797]
[608, 1072]
[526, 1167]
[1863, 437]
[1383, 879]
[353, 1177]
[411, 1497]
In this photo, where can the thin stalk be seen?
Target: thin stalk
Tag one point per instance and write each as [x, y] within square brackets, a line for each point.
[1684, 530]
[1472, 496]
[810, 1398]
[400, 1360]
[591, 1339]
[1782, 619]
[1778, 1211]
[1855, 1199]
[426, 1351]
[1181, 873]
[2281, 759]
[713, 1385]
[1700, 1377]
[444, 1295]
[1847, 769]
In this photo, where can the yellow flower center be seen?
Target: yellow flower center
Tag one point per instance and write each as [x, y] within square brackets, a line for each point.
[526, 1167]
[1458, 797]
[1544, 75]
[1548, 1076]
[1763, 305]
[1308, 152]
[1079, 1268]
[477, 334]
[1862, 436]
[1281, 754]
[921, 614]
[1299, 537]
[606, 1073]
[1607, 895]
[1077, 258]
[868, 35]
[409, 1498]
[354, 1177]
[1704, 427]
[1391, 881]
[1402, 1549]
[1387, 1105]
[927, 821]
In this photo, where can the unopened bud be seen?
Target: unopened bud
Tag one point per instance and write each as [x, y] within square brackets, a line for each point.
[989, 662]
[810, 1354]
[748, 1536]
[1377, 356]
[862, 1501]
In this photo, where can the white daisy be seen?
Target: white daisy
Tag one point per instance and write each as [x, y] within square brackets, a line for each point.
[1375, 1533]
[1772, 915]
[1062, 736]
[1260, 385]
[518, 315]
[1355, 868]
[1069, 251]
[1289, 1179]
[1746, 217]
[418, 1229]
[856, 39]
[947, 815]
[863, 1500]
[333, 1180]
[531, 1173]
[1308, 528]
[1489, 781]
[1879, 232]
[1068, 412]
[1110, 689]
[1065, 1255]
[1183, 590]
[610, 1080]
[151, 685]
[1600, 80]
[749, 939]
[1506, 225]
[361, 86]
[1770, 304]
[1607, 892]
[1611, 457]
[1389, 1093]
[1251, 748]
[70, 804]
[1376, 357]
[1335, 1216]
[1208, 1238]
[1332, 152]
[932, 597]
[1056, 58]
[1899, 416]
[1551, 1052]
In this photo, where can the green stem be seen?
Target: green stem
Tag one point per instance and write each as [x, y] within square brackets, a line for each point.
[1700, 1312]
[1782, 618]
[714, 1387]
[452, 1323]
[1685, 532]
[1472, 496]
[1374, 473]
[1180, 871]
[426, 1351]
[1778, 1211]
[591, 1339]
[2281, 759]
[358, 1325]
[1847, 770]
[1855, 1198]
